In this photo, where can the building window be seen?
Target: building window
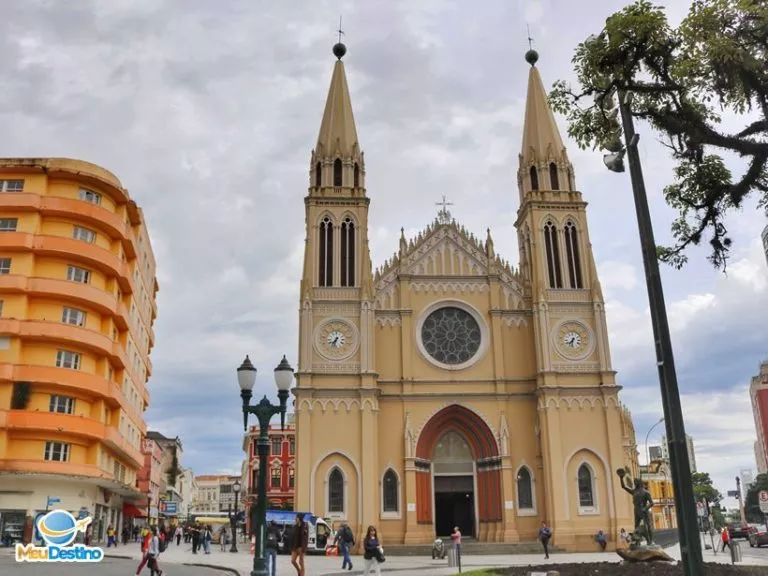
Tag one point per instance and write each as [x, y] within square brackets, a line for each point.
[8, 224]
[552, 247]
[337, 172]
[357, 175]
[325, 247]
[524, 489]
[61, 404]
[335, 492]
[11, 185]
[57, 451]
[572, 254]
[67, 359]
[347, 252]
[73, 316]
[277, 446]
[84, 234]
[553, 179]
[586, 490]
[318, 175]
[291, 477]
[77, 274]
[389, 491]
[276, 478]
[5, 265]
[534, 178]
[90, 196]
[291, 439]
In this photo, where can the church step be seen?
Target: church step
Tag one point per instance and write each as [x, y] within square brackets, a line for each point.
[470, 547]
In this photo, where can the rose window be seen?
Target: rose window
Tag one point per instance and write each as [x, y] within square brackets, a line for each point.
[451, 336]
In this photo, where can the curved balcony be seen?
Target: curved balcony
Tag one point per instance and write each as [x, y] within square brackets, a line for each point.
[68, 424]
[76, 210]
[70, 381]
[72, 251]
[95, 342]
[46, 467]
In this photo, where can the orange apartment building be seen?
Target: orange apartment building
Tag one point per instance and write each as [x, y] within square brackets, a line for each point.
[77, 307]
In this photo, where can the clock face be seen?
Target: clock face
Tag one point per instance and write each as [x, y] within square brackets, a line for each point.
[336, 339]
[573, 340]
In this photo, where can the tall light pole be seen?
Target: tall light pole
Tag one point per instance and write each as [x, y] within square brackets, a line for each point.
[685, 502]
[647, 454]
[233, 517]
[149, 507]
[264, 410]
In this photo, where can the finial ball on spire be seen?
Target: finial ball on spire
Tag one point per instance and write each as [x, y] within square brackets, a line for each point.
[532, 57]
[339, 50]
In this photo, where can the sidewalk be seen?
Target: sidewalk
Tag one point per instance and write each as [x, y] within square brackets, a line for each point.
[242, 562]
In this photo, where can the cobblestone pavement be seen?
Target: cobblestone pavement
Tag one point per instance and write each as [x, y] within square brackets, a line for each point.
[107, 567]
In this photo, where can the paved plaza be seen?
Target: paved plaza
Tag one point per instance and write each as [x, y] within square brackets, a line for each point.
[179, 561]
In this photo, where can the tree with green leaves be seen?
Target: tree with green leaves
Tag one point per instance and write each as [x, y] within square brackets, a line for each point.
[703, 489]
[683, 82]
[751, 504]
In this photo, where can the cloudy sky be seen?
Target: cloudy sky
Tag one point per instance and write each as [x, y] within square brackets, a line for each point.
[207, 112]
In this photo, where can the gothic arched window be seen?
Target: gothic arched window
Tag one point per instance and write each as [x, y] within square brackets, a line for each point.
[586, 490]
[524, 489]
[389, 489]
[325, 253]
[552, 247]
[553, 179]
[572, 255]
[357, 175]
[534, 178]
[335, 492]
[347, 252]
[337, 179]
[318, 175]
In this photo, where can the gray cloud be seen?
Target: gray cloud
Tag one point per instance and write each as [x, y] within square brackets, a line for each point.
[208, 111]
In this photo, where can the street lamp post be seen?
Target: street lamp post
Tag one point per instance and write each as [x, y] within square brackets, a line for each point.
[233, 517]
[149, 507]
[647, 453]
[264, 410]
[685, 502]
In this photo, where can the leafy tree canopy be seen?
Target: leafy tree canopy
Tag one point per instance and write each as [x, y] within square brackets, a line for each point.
[682, 81]
[751, 505]
[704, 490]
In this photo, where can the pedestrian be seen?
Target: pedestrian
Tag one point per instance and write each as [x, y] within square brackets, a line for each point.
[456, 539]
[344, 539]
[299, 541]
[624, 537]
[600, 538]
[207, 537]
[111, 540]
[150, 555]
[544, 535]
[726, 538]
[270, 547]
[373, 554]
[223, 538]
[179, 533]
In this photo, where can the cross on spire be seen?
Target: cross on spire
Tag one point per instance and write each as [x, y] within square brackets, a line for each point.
[443, 215]
[530, 40]
[340, 31]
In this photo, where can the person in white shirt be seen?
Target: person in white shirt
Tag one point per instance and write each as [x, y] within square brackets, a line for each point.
[153, 553]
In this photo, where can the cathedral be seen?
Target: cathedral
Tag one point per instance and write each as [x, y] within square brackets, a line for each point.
[449, 388]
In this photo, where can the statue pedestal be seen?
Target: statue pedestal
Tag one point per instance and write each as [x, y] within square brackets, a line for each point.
[644, 553]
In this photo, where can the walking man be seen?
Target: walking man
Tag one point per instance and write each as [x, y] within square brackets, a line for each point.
[270, 547]
[345, 539]
[544, 535]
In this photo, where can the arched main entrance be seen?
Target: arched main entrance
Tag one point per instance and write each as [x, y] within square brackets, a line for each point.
[458, 480]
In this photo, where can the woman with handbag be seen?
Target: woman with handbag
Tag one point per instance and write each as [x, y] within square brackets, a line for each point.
[373, 553]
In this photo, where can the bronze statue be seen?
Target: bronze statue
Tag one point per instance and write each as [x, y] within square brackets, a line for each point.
[643, 503]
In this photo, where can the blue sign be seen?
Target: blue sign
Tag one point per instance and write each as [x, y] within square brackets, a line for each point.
[285, 517]
[169, 507]
[52, 501]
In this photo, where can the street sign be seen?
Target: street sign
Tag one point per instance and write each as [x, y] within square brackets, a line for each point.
[701, 509]
[169, 508]
[763, 499]
[52, 501]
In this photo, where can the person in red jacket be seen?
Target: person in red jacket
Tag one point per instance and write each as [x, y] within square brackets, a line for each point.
[726, 539]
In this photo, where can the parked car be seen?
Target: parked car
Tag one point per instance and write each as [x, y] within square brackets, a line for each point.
[738, 530]
[758, 536]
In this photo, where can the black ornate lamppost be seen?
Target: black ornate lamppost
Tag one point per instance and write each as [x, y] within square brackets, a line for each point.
[233, 517]
[264, 410]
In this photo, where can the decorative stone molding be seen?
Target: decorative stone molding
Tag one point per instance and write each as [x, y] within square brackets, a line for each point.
[569, 295]
[580, 367]
[350, 309]
[445, 405]
[485, 333]
[514, 319]
[335, 293]
[448, 286]
[337, 367]
[336, 404]
[388, 319]
[580, 402]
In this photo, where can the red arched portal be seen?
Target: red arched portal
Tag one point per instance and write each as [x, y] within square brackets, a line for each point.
[485, 452]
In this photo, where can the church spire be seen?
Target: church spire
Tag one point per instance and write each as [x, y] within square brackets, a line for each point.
[544, 163]
[337, 160]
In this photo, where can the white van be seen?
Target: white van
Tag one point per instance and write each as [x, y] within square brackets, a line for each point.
[318, 529]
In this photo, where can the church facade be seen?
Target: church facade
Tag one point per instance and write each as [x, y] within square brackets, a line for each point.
[449, 388]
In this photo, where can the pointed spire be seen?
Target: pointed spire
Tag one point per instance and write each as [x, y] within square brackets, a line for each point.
[338, 135]
[489, 246]
[541, 137]
[403, 243]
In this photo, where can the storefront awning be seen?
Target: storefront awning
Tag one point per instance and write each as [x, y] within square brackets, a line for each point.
[131, 511]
